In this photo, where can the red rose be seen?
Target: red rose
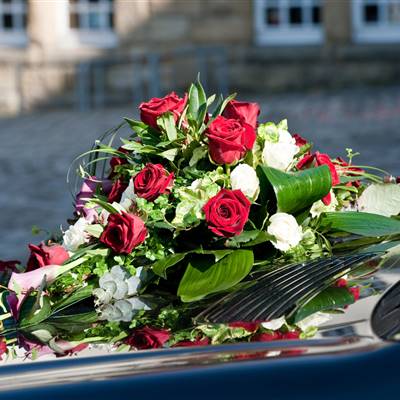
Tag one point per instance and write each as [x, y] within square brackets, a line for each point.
[3, 348]
[320, 159]
[355, 291]
[154, 108]
[43, 255]
[246, 112]
[300, 141]
[227, 212]
[290, 335]
[248, 326]
[116, 191]
[266, 337]
[11, 265]
[147, 338]
[229, 140]
[189, 343]
[117, 160]
[123, 232]
[152, 181]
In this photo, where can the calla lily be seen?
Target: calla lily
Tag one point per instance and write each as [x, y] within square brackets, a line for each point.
[22, 283]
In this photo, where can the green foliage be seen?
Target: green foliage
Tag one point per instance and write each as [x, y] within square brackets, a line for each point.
[293, 192]
[358, 223]
[202, 278]
[330, 298]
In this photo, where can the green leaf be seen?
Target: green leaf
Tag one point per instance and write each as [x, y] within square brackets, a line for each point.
[221, 106]
[330, 298]
[160, 267]
[358, 223]
[94, 230]
[167, 123]
[249, 238]
[293, 192]
[197, 103]
[201, 278]
[169, 154]
[34, 310]
[77, 296]
[103, 204]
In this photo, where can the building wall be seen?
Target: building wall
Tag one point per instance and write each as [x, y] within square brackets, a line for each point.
[44, 71]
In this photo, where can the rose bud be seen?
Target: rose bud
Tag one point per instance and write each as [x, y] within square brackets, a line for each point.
[246, 112]
[154, 108]
[300, 141]
[147, 338]
[227, 212]
[43, 255]
[116, 191]
[229, 140]
[152, 181]
[123, 232]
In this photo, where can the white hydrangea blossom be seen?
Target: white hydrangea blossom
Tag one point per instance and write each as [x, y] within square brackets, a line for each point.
[279, 152]
[76, 235]
[286, 231]
[319, 207]
[117, 295]
[244, 178]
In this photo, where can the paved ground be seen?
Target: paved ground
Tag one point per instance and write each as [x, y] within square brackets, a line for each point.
[36, 149]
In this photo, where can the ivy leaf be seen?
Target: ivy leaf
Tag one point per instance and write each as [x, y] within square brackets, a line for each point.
[201, 278]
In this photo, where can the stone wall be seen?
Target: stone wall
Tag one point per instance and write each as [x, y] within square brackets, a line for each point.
[43, 73]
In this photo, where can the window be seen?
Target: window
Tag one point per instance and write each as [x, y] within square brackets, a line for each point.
[288, 21]
[93, 22]
[92, 15]
[376, 21]
[13, 22]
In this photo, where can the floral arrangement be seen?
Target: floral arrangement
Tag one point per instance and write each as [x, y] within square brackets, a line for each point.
[199, 196]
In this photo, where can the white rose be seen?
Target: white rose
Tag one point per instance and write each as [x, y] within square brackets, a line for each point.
[279, 155]
[286, 231]
[76, 235]
[244, 178]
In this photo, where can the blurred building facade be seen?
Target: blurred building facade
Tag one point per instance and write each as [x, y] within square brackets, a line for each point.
[100, 52]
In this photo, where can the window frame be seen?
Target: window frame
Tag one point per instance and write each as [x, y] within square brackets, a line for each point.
[306, 34]
[381, 32]
[17, 36]
[104, 37]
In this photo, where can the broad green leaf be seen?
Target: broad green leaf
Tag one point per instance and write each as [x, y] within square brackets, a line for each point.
[250, 238]
[167, 123]
[292, 192]
[75, 297]
[201, 278]
[160, 267]
[363, 224]
[221, 106]
[103, 204]
[329, 299]
[34, 310]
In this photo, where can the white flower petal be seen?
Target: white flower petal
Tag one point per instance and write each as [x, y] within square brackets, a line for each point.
[244, 178]
[274, 324]
[286, 231]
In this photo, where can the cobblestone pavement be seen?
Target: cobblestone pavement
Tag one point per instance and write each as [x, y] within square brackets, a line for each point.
[36, 149]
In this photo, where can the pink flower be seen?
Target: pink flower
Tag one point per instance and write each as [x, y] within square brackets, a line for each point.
[86, 193]
[3, 347]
